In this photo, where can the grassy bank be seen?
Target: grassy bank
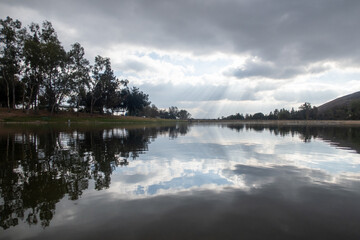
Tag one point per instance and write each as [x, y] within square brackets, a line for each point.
[19, 116]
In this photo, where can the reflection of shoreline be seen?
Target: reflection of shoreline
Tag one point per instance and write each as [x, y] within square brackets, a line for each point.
[340, 136]
[16, 127]
[340, 143]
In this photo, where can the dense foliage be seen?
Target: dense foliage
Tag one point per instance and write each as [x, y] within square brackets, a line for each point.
[349, 111]
[36, 72]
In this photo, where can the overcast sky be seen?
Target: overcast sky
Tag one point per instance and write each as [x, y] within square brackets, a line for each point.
[215, 58]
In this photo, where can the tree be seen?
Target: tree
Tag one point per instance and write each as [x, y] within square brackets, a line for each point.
[55, 73]
[306, 108]
[115, 94]
[164, 114]
[135, 101]
[276, 113]
[11, 43]
[150, 111]
[173, 112]
[105, 90]
[284, 114]
[46, 73]
[292, 113]
[51, 74]
[183, 114]
[101, 73]
[79, 68]
[355, 110]
[33, 58]
[258, 116]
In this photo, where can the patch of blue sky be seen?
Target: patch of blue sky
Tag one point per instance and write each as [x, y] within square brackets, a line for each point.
[155, 56]
[198, 179]
[140, 190]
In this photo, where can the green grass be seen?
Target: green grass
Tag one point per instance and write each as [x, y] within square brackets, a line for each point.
[73, 119]
[43, 123]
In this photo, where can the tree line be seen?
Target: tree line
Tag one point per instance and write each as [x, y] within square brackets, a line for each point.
[38, 73]
[350, 111]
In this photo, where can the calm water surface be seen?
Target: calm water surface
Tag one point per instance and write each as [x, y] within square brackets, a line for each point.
[179, 182]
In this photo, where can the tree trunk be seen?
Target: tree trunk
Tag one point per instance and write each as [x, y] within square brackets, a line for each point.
[13, 94]
[57, 102]
[36, 97]
[23, 98]
[91, 106]
[52, 108]
[77, 107]
[92, 103]
[7, 90]
[8, 94]
[29, 102]
[7, 147]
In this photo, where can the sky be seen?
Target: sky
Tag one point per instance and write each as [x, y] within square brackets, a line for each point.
[215, 58]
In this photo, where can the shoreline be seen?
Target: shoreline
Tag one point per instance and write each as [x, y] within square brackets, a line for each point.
[18, 116]
[286, 122]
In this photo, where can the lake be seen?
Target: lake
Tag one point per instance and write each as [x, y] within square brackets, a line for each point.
[199, 181]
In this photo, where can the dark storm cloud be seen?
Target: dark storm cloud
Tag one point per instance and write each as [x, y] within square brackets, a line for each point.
[283, 32]
[260, 69]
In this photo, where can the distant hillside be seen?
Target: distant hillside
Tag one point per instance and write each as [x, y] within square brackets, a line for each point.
[343, 108]
[344, 101]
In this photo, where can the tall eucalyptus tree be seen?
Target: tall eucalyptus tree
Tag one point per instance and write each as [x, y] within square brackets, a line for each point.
[11, 43]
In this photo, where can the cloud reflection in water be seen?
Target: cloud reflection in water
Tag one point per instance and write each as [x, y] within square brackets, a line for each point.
[212, 157]
[179, 182]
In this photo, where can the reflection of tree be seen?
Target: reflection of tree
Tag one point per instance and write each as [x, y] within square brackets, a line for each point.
[236, 127]
[40, 194]
[181, 129]
[39, 168]
[340, 136]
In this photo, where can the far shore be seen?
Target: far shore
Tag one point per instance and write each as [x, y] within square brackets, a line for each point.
[43, 116]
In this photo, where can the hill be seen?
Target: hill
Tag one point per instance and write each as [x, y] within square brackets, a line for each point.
[342, 108]
[344, 101]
